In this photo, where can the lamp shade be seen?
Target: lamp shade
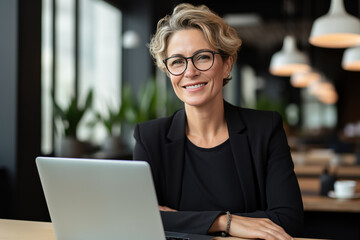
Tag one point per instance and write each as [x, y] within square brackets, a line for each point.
[303, 79]
[351, 59]
[289, 59]
[336, 29]
[324, 91]
[327, 93]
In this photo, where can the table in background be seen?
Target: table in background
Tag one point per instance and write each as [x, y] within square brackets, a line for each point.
[30, 230]
[327, 217]
[310, 189]
[315, 170]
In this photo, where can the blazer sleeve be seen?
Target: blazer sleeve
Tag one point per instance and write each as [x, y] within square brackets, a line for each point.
[141, 153]
[189, 221]
[282, 193]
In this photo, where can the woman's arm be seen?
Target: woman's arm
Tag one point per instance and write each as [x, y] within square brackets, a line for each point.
[211, 222]
[250, 228]
[283, 197]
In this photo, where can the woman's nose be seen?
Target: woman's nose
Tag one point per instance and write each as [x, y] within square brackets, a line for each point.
[191, 69]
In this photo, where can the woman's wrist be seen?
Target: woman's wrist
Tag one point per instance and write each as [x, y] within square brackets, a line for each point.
[228, 222]
[219, 225]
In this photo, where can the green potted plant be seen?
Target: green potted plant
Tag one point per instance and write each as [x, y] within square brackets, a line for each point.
[67, 120]
[111, 121]
[149, 103]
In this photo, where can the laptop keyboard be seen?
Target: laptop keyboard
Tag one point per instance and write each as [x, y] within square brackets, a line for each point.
[176, 238]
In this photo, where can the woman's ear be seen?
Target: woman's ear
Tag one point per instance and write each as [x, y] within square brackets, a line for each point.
[227, 66]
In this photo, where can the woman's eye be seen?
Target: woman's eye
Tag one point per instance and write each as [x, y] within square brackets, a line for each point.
[178, 61]
[202, 57]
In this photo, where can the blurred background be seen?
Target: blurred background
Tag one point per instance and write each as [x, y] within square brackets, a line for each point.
[76, 75]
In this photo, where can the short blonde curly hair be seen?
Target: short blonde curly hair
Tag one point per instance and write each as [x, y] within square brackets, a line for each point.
[218, 33]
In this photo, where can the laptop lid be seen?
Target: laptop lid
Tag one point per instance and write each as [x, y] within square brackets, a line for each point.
[100, 199]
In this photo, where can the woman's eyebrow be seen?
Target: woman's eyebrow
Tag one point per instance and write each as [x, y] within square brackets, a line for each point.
[202, 50]
[177, 55]
[197, 51]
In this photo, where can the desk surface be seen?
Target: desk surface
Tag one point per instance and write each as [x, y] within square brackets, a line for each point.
[314, 170]
[30, 230]
[326, 204]
[310, 189]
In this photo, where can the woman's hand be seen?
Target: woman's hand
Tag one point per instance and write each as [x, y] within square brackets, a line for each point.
[250, 228]
[166, 209]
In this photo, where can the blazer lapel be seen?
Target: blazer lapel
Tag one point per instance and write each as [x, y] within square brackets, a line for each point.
[174, 153]
[242, 155]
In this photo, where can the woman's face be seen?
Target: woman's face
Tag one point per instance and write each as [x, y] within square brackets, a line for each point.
[195, 87]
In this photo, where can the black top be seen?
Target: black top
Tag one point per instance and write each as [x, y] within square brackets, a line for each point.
[210, 180]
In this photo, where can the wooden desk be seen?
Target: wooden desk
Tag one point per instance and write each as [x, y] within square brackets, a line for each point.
[327, 217]
[30, 230]
[310, 189]
[326, 204]
[25, 230]
[342, 171]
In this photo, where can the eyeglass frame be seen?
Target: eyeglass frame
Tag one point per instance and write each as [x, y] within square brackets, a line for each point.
[192, 60]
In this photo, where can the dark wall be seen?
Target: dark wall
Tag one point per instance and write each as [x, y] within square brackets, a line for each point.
[20, 107]
[8, 93]
[30, 202]
[137, 64]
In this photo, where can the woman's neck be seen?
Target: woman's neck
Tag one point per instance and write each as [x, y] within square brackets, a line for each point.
[206, 126]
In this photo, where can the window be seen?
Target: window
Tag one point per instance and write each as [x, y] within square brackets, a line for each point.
[97, 65]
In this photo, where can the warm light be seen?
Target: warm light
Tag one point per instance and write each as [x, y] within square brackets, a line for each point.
[338, 40]
[288, 69]
[329, 97]
[324, 91]
[351, 59]
[303, 79]
[320, 87]
[288, 60]
[336, 29]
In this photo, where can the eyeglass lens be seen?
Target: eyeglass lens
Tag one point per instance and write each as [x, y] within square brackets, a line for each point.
[202, 61]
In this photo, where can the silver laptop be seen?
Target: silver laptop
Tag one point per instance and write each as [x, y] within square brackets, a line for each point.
[102, 199]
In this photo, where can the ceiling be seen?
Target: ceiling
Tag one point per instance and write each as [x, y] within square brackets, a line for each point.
[269, 34]
[274, 18]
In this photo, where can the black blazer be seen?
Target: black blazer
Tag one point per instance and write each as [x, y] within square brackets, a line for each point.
[261, 155]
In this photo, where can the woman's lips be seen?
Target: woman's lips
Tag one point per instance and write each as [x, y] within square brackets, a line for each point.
[194, 86]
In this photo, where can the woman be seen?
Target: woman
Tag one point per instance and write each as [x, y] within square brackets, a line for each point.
[217, 168]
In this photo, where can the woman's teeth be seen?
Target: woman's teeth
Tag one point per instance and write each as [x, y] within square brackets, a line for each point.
[195, 86]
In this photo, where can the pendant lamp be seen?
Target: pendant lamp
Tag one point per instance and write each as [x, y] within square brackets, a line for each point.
[324, 91]
[336, 29]
[327, 94]
[351, 59]
[289, 59]
[303, 79]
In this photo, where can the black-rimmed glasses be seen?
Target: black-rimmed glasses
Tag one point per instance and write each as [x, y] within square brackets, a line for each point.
[202, 61]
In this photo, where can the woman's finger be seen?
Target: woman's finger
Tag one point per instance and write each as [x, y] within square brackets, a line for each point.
[166, 209]
[257, 228]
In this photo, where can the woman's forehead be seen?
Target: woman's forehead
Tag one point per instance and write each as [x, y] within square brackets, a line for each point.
[187, 41]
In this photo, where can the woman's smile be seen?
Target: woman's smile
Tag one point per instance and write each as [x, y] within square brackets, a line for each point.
[195, 87]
